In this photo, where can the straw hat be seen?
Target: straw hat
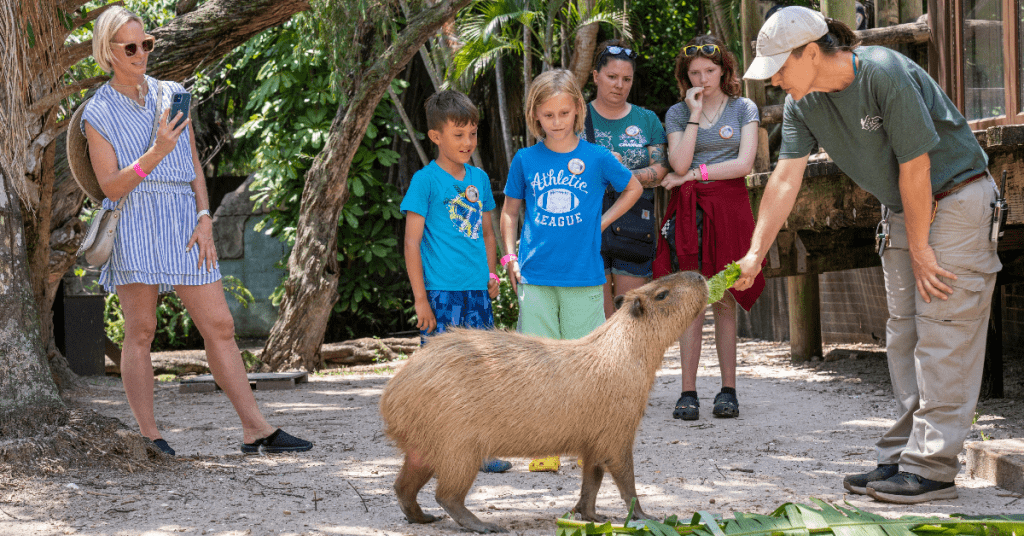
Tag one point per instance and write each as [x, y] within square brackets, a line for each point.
[78, 158]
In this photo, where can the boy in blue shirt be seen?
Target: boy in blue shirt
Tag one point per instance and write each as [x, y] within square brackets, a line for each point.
[449, 239]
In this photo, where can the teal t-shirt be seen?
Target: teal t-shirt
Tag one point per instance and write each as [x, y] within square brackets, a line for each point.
[453, 251]
[630, 135]
[892, 113]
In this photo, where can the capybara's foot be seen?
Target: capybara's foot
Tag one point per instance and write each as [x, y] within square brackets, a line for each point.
[415, 515]
[639, 514]
[465, 518]
[589, 516]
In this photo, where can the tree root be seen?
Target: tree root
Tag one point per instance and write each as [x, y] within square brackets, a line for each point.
[82, 438]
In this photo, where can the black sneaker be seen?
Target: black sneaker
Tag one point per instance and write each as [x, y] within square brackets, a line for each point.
[908, 488]
[858, 483]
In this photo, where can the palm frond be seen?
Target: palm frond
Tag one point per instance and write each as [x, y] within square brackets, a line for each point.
[794, 519]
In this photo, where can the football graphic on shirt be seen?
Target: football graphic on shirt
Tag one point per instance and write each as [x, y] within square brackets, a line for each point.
[558, 201]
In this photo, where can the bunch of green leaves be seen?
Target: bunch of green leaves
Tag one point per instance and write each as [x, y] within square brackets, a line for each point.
[291, 109]
[723, 281]
[174, 326]
[801, 519]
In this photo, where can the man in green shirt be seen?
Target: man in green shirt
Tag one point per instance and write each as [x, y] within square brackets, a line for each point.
[890, 128]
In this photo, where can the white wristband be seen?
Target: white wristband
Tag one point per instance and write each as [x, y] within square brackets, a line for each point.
[202, 213]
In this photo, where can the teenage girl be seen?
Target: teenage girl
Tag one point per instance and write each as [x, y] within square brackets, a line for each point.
[558, 274]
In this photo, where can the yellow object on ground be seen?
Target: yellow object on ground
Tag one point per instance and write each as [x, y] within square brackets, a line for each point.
[551, 463]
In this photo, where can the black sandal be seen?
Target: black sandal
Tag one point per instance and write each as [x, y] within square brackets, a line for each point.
[687, 407]
[727, 405]
[276, 443]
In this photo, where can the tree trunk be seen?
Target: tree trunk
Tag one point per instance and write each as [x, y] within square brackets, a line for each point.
[506, 128]
[312, 285]
[51, 200]
[28, 396]
[583, 47]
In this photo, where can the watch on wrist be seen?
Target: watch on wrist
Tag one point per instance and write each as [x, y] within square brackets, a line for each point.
[202, 213]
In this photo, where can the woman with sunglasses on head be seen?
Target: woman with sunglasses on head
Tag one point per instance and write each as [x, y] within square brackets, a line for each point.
[712, 139]
[163, 242]
[635, 136]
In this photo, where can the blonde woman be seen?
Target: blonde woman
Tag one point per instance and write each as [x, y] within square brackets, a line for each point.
[165, 236]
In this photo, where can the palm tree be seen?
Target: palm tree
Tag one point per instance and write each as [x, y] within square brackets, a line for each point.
[492, 30]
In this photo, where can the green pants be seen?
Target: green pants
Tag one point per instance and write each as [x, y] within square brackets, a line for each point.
[560, 312]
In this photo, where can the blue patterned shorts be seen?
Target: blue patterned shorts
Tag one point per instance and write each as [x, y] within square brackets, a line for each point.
[460, 308]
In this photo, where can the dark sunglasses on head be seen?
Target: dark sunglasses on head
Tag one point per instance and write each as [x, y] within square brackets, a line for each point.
[130, 49]
[707, 50]
[613, 50]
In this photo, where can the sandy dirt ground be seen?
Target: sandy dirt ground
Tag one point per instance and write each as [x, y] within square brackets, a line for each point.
[800, 429]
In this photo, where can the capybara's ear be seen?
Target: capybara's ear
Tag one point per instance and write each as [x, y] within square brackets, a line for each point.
[637, 310]
[618, 301]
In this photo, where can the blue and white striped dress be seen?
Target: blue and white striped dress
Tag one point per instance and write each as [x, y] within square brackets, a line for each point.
[159, 215]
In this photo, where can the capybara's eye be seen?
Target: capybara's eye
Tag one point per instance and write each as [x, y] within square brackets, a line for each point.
[661, 295]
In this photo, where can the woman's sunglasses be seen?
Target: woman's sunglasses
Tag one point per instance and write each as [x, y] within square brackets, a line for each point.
[613, 50]
[707, 50]
[130, 49]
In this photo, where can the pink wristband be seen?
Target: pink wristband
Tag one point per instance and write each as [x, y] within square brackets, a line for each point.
[138, 170]
[704, 172]
[510, 257]
[495, 277]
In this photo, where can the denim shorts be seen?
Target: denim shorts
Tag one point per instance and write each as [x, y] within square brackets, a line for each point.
[459, 308]
[624, 267]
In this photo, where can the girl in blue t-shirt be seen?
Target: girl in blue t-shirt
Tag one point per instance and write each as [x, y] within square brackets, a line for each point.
[558, 274]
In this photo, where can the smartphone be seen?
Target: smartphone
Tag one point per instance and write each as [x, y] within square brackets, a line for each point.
[180, 102]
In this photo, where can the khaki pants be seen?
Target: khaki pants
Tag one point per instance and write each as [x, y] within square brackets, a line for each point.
[936, 350]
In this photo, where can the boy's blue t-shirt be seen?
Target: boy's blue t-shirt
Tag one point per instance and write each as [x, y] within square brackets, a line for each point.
[453, 250]
[561, 241]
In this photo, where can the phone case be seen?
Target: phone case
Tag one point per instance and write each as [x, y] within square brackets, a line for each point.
[180, 102]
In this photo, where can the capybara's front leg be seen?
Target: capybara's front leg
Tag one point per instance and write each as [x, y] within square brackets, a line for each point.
[411, 478]
[593, 473]
[453, 483]
[621, 470]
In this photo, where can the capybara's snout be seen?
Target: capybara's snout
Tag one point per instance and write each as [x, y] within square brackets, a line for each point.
[680, 292]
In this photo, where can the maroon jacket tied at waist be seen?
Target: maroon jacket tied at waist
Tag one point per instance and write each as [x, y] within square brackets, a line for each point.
[728, 228]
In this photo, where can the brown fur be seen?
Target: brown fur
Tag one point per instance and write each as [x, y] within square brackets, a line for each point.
[469, 395]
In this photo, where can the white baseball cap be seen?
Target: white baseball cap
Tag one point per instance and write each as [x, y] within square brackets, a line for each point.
[789, 28]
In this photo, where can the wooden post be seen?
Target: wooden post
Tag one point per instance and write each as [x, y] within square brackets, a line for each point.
[887, 13]
[842, 10]
[804, 317]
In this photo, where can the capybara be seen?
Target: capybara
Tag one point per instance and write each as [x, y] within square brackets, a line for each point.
[469, 395]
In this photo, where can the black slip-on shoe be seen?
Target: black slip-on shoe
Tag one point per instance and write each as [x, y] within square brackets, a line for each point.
[276, 443]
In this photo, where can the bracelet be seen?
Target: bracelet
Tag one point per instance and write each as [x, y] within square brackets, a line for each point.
[138, 170]
[495, 277]
[510, 257]
[692, 123]
[704, 172]
[202, 213]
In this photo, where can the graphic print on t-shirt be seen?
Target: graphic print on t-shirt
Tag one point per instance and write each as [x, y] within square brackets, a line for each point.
[465, 214]
[632, 146]
[558, 198]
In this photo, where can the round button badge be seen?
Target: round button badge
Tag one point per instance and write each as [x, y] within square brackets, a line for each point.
[472, 194]
[576, 166]
[725, 132]
[632, 130]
